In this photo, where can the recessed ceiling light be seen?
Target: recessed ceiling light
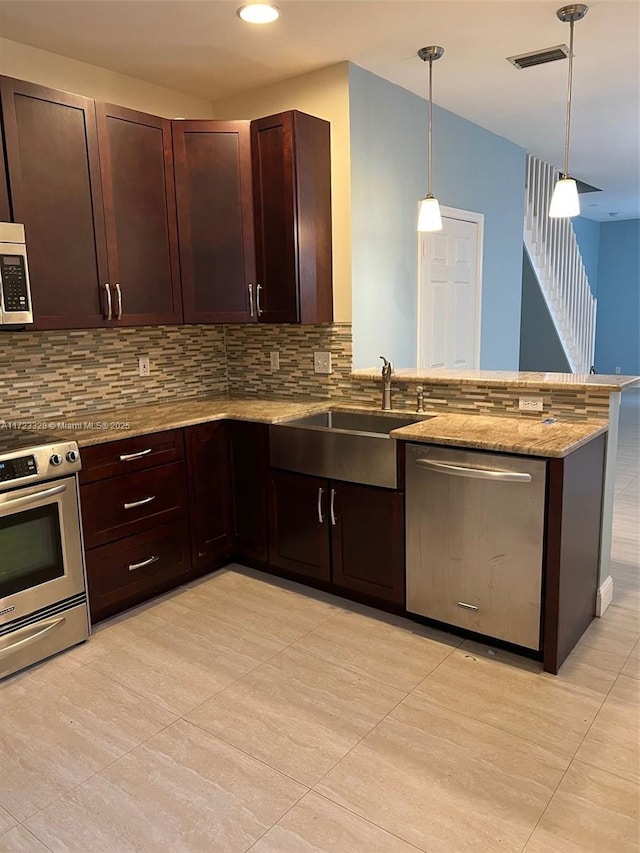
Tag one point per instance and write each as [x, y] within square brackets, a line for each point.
[259, 13]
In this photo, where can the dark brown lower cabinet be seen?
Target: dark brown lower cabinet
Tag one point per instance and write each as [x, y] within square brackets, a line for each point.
[208, 466]
[131, 570]
[249, 465]
[367, 540]
[298, 525]
[349, 534]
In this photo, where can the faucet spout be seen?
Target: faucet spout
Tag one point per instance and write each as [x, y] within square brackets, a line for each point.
[387, 370]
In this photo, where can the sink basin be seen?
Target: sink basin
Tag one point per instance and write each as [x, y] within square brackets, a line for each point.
[365, 422]
[350, 446]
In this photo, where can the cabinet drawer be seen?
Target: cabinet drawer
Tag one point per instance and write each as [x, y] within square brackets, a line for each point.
[137, 567]
[131, 454]
[123, 506]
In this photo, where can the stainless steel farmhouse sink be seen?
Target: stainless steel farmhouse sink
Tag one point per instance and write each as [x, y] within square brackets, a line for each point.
[351, 446]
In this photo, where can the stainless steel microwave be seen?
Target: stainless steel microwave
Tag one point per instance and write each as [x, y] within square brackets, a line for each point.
[15, 293]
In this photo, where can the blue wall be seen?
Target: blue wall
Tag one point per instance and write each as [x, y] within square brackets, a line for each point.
[588, 236]
[473, 170]
[540, 346]
[618, 317]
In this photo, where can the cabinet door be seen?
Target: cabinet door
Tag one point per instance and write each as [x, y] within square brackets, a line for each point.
[367, 540]
[215, 219]
[292, 196]
[54, 179]
[136, 162]
[248, 443]
[298, 527]
[208, 492]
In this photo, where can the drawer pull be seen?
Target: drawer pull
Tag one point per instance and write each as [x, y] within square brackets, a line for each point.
[144, 501]
[147, 562]
[127, 457]
[467, 606]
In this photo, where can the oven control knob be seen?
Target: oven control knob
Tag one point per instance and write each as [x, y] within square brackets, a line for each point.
[72, 456]
[56, 459]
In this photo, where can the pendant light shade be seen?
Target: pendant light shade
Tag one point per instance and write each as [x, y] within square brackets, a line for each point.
[564, 201]
[429, 218]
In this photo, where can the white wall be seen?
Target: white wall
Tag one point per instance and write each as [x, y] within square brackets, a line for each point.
[325, 94]
[59, 72]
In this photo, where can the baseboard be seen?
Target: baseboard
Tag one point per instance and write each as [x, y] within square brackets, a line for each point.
[604, 596]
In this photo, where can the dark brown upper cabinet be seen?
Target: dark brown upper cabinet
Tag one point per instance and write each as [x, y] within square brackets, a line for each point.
[5, 207]
[292, 205]
[215, 220]
[136, 161]
[53, 169]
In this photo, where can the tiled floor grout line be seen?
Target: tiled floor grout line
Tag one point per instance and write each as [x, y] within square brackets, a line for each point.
[32, 833]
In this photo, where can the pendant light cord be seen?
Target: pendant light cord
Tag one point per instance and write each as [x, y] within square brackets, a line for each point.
[569, 87]
[429, 132]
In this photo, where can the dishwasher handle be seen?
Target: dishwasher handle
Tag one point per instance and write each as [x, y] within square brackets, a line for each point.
[474, 473]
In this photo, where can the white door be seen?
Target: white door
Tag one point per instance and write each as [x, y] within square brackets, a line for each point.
[449, 293]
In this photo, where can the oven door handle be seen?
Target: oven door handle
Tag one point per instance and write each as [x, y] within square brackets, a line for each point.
[6, 502]
[35, 632]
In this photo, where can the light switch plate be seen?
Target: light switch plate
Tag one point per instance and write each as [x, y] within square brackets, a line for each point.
[530, 404]
[144, 367]
[322, 362]
[274, 359]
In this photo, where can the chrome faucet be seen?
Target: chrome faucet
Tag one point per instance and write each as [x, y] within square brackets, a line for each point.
[387, 370]
[420, 399]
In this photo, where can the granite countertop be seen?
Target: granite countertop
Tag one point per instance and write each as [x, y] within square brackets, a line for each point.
[510, 435]
[506, 378]
[513, 435]
[130, 421]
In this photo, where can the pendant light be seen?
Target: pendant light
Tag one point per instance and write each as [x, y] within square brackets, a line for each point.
[429, 218]
[565, 201]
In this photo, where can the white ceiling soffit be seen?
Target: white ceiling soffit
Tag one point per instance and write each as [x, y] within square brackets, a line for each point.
[203, 49]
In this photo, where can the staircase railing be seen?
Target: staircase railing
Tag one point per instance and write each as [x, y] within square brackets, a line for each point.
[555, 257]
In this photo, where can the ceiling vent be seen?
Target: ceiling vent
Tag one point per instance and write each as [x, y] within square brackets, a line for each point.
[539, 57]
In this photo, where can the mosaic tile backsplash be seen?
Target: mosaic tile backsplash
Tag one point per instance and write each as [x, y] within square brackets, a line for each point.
[48, 375]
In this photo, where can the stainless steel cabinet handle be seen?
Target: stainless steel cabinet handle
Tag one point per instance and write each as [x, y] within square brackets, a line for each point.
[119, 295]
[467, 606]
[258, 289]
[474, 473]
[107, 290]
[32, 633]
[127, 457]
[320, 516]
[29, 499]
[332, 507]
[252, 312]
[144, 501]
[141, 565]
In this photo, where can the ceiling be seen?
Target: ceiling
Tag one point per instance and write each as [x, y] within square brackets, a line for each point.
[203, 49]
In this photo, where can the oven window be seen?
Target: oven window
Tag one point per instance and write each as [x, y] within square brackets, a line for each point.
[30, 549]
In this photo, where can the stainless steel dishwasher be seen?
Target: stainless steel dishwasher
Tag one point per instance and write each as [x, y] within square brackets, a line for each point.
[475, 531]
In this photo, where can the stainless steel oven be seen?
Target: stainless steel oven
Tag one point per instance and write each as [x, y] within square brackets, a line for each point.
[43, 607]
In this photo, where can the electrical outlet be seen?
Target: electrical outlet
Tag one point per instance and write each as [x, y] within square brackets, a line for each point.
[322, 362]
[274, 359]
[530, 404]
[617, 370]
[144, 368]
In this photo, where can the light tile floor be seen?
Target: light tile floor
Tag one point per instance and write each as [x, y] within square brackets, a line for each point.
[245, 713]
